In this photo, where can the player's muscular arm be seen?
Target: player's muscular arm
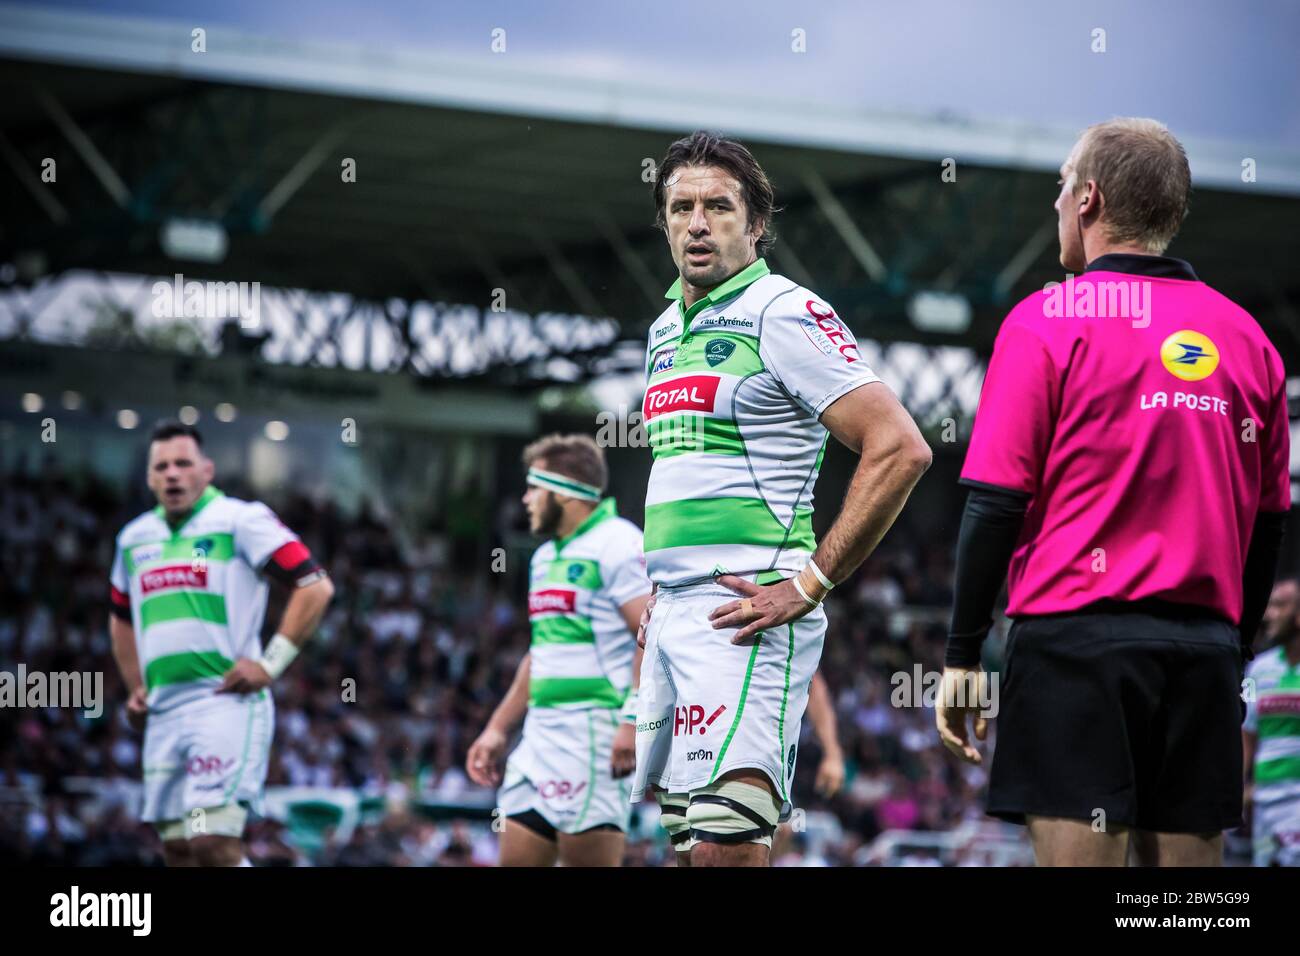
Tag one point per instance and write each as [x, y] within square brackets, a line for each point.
[893, 456]
[304, 610]
[870, 421]
[623, 757]
[821, 714]
[302, 615]
[125, 653]
[514, 705]
[1248, 742]
[127, 656]
[483, 762]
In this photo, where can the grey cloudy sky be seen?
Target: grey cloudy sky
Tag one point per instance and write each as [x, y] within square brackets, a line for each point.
[1209, 68]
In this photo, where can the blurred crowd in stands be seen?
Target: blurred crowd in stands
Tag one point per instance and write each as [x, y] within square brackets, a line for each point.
[407, 666]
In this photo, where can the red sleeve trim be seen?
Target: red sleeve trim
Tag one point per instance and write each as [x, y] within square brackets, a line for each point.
[119, 603]
[291, 555]
[293, 564]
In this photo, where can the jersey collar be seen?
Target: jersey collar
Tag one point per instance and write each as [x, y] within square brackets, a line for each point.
[737, 283]
[1155, 267]
[209, 493]
[606, 509]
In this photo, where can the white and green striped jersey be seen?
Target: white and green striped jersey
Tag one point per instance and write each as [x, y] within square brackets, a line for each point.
[196, 597]
[736, 385]
[582, 650]
[1274, 716]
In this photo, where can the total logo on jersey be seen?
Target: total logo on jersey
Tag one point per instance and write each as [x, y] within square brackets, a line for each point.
[173, 576]
[1189, 355]
[690, 393]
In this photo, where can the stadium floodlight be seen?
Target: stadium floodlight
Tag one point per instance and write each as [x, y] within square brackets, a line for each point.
[225, 412]
[195, 240]
[32, 402]
[188, 414]
[127, 418]
[940, 312]
[276, 431]
[71, 400]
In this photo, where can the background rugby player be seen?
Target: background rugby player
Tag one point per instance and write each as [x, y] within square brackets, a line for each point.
[189, 581]
[563, 791]
[1129, 465]
[1271, 733]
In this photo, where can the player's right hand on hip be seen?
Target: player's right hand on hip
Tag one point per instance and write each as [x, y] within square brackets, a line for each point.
[137, 709]
[483, 764]
[645, 620]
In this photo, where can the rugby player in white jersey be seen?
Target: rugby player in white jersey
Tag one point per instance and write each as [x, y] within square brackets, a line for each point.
[564, 793]
[188, 595]
[748, 374]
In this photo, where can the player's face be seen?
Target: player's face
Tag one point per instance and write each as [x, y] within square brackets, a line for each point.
[1282, 616]
[178, 473]
[543, 510]
[708, 235]
[1067, 218]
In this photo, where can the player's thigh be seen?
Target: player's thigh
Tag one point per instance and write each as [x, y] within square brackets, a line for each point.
[601, 846]
[228, 746]
[178, 852]
[1177, 849]
[1061, 841]
[524, 846]
[211, 850]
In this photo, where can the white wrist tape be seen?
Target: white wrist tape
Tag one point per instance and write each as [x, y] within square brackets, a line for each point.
[802, 593]
[628, 714]
[826, 582]
[279, 654]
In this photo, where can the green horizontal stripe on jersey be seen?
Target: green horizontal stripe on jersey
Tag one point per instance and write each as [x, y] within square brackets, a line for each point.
[1276, 771]
[686, 434]
[181, 606]
[1279, 726]
[556, 691]
[576, 572]
[704, 521]
[181, 668]
[569, 629]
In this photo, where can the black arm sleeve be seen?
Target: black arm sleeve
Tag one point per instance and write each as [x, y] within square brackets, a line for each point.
[990, 527]
[1257, 576]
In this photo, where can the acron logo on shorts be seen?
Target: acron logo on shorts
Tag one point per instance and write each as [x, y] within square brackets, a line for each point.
[689, 718]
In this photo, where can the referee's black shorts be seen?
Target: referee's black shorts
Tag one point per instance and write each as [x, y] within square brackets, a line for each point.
[1135, 714]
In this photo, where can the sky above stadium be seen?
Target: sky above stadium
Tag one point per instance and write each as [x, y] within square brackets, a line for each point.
[1207, 68]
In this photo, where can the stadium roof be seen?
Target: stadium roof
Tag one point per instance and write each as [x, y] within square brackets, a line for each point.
[473, 175]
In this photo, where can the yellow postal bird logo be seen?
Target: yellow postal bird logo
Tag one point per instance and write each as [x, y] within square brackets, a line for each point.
[1189, 355]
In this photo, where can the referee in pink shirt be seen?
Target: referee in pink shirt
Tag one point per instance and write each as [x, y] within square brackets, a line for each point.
[1128, 478]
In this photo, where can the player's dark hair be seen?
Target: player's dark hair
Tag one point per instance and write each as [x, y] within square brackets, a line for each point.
[171, 428]
[573, 456]
[703, 148]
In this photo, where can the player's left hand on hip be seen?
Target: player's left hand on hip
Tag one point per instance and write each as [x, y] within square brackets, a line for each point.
[759, 609]
[246, 677]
